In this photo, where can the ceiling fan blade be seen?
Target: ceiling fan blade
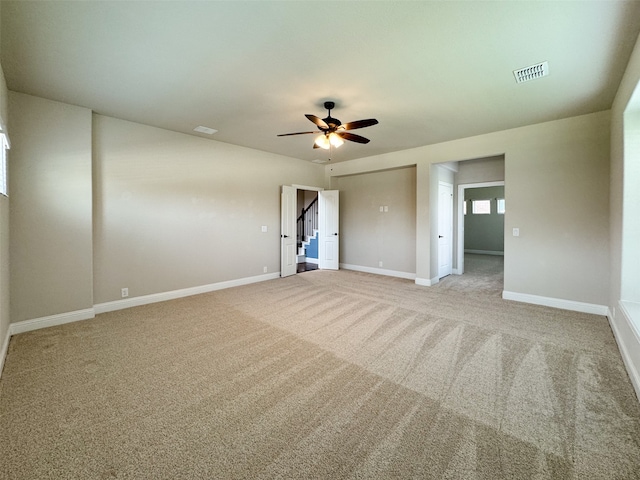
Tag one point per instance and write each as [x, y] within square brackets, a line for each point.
[297, 133]
[315, 145]
[318, 121]
[353, 137]
[360, 124]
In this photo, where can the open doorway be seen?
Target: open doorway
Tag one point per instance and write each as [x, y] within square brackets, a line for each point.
[326, 233]
[307, 230]
[479, 208]
[480, 250]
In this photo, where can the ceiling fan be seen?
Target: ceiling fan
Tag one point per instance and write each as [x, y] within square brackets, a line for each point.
[332, 132]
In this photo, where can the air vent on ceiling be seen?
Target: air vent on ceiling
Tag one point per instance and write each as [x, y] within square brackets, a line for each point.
[532, 72]
[319, 160]
[207, 130]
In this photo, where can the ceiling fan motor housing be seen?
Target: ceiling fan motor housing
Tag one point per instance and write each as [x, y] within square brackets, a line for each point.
[332, 122]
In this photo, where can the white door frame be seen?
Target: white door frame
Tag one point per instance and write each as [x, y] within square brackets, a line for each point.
[288, 245]
[294, 213]
[460, 247]
[328, 230]
[447, 235]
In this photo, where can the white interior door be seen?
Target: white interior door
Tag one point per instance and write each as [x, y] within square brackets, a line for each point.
[288, 242]
[328, 232]
[445, 229]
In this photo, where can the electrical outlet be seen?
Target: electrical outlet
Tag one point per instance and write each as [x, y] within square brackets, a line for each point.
[516, 232]
[264, 269]
[380, 263]
[125, 292]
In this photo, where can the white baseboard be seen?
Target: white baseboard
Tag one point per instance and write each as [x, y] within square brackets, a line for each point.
[185, 292]
[427, 282]
[484, 252]
[51, 321]
[627, 337]
[556, 303]
[379, 271]
[5, 350]
[312, 260]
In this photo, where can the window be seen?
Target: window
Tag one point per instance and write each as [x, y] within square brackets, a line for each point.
[500, 202]
[4, 146]
[481, 207]
[464, 207]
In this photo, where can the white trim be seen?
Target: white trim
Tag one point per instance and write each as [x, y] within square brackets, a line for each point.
[456, 271]
[426, 282]
[379, 271]
[311, 260]
[556, 303]
[436, 239]
[485, 252]
[185, 292]
[305, 187]
[5, 349]
[51, 321]
[624, 341]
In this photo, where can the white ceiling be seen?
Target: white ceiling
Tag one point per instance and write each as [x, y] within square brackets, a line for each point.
[428, 71]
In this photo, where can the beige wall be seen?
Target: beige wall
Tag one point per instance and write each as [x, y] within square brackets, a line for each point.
[50, 215]
[175, 211]
[556, 183]
[99, 204]
[480, 170]
[368, 236]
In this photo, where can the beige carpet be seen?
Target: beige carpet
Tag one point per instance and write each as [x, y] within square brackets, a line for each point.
[323, 375]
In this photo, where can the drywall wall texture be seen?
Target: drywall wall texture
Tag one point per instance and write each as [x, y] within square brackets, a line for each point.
[556, 184]
[369, 236]
[480, 170]
[50, 215]
[175, 211]
[484, 233]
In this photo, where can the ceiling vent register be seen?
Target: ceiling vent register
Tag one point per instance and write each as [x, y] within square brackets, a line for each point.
[532, 72]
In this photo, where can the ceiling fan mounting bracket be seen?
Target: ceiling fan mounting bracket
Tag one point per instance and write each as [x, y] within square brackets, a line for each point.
[329, 105]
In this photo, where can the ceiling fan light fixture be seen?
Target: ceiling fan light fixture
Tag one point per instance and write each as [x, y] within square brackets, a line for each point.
[335, 140]
[323, 142]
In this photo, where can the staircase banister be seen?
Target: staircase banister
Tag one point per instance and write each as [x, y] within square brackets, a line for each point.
[315, 200]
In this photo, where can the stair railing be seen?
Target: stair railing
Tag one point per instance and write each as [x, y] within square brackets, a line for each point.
[308, 221]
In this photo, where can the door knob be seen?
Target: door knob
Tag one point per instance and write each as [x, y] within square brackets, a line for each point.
[440, 236]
